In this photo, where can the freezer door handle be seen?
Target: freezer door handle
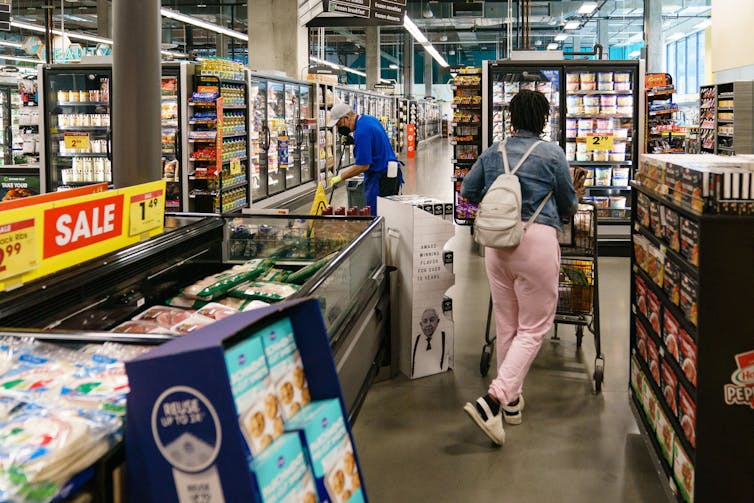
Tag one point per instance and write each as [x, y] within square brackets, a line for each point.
[265, 137]
[299, 134]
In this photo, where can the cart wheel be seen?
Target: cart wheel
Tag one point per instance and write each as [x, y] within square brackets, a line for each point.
[599, 373]
[484, 361]
[579, 335]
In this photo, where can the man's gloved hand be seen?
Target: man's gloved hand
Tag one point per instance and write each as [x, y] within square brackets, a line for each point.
[334, 181]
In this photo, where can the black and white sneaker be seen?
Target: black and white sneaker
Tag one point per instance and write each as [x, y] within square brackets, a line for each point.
[513, 412]
[491, 424]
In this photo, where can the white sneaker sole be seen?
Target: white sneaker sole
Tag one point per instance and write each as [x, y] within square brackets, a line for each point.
[474, 415]
[518, 417]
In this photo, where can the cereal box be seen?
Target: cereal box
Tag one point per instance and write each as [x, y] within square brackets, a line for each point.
[286, 367]
[283, 474]
[334, 464]
[253, 394]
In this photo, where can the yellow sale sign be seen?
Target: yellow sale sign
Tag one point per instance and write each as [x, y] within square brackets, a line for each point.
[600, 142]
[42, 239]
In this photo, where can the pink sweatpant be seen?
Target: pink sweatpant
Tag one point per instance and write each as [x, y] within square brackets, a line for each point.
[524, 287]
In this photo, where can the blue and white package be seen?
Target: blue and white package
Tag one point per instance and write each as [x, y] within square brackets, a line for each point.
[286, 367]
[282, 472]
[253, 393]
[323, 429]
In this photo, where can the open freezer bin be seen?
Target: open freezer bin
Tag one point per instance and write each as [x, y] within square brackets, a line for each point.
[351, 285]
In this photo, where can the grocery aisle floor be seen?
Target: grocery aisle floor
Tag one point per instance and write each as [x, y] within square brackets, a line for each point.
[417, 445]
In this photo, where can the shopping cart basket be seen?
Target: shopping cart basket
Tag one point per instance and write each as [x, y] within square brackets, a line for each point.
[578, 289]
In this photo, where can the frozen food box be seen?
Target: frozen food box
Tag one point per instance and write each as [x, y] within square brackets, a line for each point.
[670, 332]
[651, 406]
[665, 435]
[253, 393]
[336, 471]
[283, 474]
[690, 240]
[637, 377]
[687, 354]
[672, 229]
[669, 387]
[641, 340]
[286, 368]
[653, 311]
[653, 360]
[641, 294]
[688, 294]
[683, 471]
[687, 415]
[671, 281]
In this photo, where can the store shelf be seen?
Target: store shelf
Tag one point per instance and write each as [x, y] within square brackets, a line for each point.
[83, 103]
[467, 105]
[725, 149]
[235, 135]
[725, 109]
[725, 121]
[465, 124]
[590, 93]
[463, 161]
[466, 86]
[86, 154]
[203, 121]
[603, 163]
[202, 140]
[81, 183]
[81, 128]
[234, 107]
[662, 112]
[726, 135]
[607, 187]
[464, 142]
[598, 116]
[675, 256]
[231, 81]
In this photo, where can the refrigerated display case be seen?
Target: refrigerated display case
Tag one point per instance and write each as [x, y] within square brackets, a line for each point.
[25, 135]
[589, 101]
[174, 112]
[282, 135]
[75, 102]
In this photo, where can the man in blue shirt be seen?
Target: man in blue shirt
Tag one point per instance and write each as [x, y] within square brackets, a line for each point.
[374, 157]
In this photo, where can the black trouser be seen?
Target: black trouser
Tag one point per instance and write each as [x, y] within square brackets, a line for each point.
[389, 186]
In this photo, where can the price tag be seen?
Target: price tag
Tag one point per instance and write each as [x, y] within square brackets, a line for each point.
[147, 212]
[235, 167]
[600, 142]
[76, 141]
[18, 248]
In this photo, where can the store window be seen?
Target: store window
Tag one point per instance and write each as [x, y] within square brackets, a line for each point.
[684, 60]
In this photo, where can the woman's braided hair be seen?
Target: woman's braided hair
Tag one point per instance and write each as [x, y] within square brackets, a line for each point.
[529, 111]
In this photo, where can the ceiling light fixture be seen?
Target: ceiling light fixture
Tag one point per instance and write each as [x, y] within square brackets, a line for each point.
[702, 25]
[171, 14]
[560, 37]
[675, 36]
[393, 66]
[11, 44]
[419, 37]
[587, 7]
[572, 25]
[552, 46]
[18, 58]
[337, 66]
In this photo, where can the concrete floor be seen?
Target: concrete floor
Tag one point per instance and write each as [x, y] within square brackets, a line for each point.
[416, 444]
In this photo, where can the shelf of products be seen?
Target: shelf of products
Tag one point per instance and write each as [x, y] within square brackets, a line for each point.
[601, 102]
[169, 118]
[217, 178]
[465, 136]
[663, 135]
[688, 350]
[707, 118]
[21, 120]
[78, 134]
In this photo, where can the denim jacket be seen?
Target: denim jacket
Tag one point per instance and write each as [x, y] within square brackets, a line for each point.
[545, 170]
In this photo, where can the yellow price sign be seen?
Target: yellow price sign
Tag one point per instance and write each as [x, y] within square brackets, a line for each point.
[18, 248]
[600, 142]
[235, 167]
[147, 212]
[76, 141]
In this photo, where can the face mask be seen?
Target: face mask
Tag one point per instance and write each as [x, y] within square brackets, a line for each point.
[344, 130]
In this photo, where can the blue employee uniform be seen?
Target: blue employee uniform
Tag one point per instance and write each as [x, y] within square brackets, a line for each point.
[372, 148]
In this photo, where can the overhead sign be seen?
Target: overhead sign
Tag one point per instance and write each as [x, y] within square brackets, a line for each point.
[384, 86]
[324, 70]
[359, 13]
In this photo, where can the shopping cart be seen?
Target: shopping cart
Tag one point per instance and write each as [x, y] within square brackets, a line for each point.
[578, 290]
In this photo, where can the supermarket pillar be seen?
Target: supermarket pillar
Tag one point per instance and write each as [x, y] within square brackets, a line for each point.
[373, 56]
[427, 74]
[653, 37]
[408, 65]
[277, 41]
[136, 142]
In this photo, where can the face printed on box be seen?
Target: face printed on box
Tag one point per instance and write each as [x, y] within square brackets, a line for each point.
[429, 323]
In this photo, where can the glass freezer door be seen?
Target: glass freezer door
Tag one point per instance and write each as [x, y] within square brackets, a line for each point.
[306, 141]
[78, 128]
[259, 138]
[506, 82]
[292, 119]
[278, 137]
[6, 143]
[171, 168]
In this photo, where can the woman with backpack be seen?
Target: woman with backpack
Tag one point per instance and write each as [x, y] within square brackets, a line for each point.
[523, 277]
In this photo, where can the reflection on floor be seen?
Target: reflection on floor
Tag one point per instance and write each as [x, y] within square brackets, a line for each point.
[417, 445]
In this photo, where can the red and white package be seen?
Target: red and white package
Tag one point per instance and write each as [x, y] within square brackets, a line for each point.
[687, 352]
[641, 340]
[687, 415]
[669, 387]
[641, 295]
[670, 330]
[653, 311]
[653, 360]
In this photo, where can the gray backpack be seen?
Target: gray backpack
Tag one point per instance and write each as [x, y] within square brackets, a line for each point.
[498, 220]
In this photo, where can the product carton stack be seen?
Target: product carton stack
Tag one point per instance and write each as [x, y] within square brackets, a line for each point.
[418, 229]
